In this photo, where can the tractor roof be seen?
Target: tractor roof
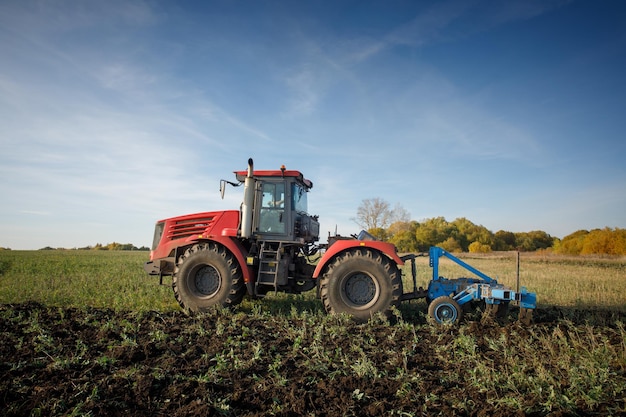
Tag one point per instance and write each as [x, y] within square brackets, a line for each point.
[241, 175]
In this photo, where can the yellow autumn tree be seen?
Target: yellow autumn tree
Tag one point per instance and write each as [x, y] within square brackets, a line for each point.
[477, 247]
[605, 241]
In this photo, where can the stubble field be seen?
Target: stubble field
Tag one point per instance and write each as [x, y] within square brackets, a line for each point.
[87, 333]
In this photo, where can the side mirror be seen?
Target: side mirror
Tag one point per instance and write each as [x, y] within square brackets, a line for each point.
[222, 188]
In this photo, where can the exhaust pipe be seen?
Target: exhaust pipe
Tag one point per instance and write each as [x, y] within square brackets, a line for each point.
[247, 206]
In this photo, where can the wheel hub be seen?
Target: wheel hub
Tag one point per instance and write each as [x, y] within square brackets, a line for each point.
[446, 313]
[360, 289]
[207, 281]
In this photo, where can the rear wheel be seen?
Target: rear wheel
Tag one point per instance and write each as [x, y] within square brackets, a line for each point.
[207, 275]
[445, 310]
[361, 282]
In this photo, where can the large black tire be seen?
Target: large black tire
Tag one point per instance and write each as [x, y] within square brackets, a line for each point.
[207, 275]
[445, 310]
[361, 282]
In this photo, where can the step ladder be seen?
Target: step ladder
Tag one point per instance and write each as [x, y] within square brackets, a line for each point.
[269, 266]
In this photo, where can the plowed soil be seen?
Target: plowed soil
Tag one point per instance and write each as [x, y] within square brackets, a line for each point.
[58, 361]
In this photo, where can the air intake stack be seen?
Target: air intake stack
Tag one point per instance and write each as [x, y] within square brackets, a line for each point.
[248, 202]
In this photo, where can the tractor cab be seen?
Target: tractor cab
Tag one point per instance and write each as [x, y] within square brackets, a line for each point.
[275, 206]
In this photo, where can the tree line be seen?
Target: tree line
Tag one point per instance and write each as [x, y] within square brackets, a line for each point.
[461, 235]
[100, 246]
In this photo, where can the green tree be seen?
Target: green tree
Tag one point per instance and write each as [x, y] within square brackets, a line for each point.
[379, 233]
[433, 232]
[128, 246]
[504, 240]
[451, 245]
[531, 241]
[402, 235]
[468, 232]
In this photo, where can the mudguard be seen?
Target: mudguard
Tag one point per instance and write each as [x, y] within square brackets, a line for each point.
[165, 266]
[238, 251]
[340, 246]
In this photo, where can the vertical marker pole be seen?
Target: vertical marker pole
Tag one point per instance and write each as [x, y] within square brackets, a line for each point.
[517, 289]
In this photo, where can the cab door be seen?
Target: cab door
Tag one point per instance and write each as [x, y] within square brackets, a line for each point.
[272, 219]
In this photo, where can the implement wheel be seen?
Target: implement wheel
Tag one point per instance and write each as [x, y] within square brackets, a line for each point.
[361, 282]
[207, 275]
[445, 310]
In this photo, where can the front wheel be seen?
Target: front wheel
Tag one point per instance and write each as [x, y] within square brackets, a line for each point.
[361, 282]
[207, 275]
[445, 310]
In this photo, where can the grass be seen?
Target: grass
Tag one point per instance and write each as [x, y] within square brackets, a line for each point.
[105, 279]
[115, 279]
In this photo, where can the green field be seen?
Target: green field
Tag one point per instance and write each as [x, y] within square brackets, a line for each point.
[111, 279]
[115, 279]
[89, 333]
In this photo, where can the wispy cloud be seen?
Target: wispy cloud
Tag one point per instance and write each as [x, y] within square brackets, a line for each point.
[36, 212]
[448, 20]
[497, 13]
[430, 25]
[64, 16]
[124, 78]
[304, 95]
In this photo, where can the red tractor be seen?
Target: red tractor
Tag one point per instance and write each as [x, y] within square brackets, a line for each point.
[217, 257]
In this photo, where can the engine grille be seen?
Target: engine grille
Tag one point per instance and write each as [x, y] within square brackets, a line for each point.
[189, 227]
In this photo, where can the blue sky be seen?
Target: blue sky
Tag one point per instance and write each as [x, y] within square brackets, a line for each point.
[116, 114]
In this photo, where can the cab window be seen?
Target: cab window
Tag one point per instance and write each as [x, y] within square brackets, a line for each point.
[298, 194]
[271, 219]
[273, 195]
